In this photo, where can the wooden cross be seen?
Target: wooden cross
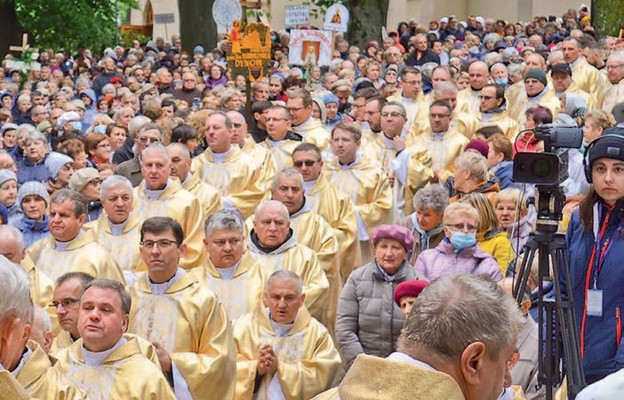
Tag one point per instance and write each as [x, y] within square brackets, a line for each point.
[24, 45]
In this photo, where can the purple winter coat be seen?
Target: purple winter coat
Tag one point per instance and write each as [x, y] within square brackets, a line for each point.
[443, 260]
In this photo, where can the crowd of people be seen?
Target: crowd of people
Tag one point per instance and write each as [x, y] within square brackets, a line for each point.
[349, 231]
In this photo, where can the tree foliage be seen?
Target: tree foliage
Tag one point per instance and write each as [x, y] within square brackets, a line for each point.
[63, 24]
[609, 18]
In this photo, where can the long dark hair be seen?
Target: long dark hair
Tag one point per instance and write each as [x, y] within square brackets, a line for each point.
[586, 208]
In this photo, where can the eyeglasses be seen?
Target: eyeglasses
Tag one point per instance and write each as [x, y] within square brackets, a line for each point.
[67, 302]
[295, 109]
[608, 67]
[163, 244]
[237, 126]
[276, 119]
[459, 227]
[95, 182]
[307, 163]
[392, 115]
[103, 145]
[145, 139]
[486, 97]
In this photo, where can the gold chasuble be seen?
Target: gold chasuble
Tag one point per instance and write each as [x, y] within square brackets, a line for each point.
[281, 150]
[208, 196]
[180, 205]
[307, 357]
[368, 187]
[509, 126]
[299, 259]
[614, 95]
[464, 123]
[264, 159]
[374, 378]
[123, 247]
[585, 76]
[417, 109]
[313, 132]
[237, 177]
[547, 99]
[240, 294]
[10, 388]
[42, 288]
[82, 254]
[339, 211]
[44, 382]
[191, 324]
[62, 340]
[468, 101]
[125, 373]
[314, 232]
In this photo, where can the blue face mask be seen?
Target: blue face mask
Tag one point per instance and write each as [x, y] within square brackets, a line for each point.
[461, 240]
[77, 125]
[502, 81]
[100, 129]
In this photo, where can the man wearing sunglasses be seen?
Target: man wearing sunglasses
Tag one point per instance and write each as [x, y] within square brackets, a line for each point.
[131, 169]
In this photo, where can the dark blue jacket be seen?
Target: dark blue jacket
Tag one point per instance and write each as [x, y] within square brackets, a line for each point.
[504, 172]
[603, 354]
[28, 171]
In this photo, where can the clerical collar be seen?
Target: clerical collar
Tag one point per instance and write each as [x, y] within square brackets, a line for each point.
[538, 96]
[280, 330]
[307, 186]
[96, 357]
[408, 100]
[573, 64]
[25, 356]
[155, 194]
[187, 179]
[117, 229]
[227, 274]
[220, 157]
[351, 164]
[402, 357]
[161, 288]
[302, 210]
[475, 91]
[275, 143]
[62, 246]
[387, 140]
[254, 238]
[305, 124]
[438, 136]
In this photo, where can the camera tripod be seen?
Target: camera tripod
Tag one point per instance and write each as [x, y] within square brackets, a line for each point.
[556, 321]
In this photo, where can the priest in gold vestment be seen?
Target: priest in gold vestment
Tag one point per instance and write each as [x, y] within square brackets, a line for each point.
[184, 320]
[331, 204]
[208, 196]
[69, 248]
[230, 271]
[281, 140]
[468, 99]
[273, 244]
[614, 93]
[237, 177]
[117, 228]
[411, 96]
[303, 123]
[104, 363]
[161, 196]
[365, 183]
[282, 352]
[493, 111]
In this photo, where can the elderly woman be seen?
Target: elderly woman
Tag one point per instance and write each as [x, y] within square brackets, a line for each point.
[458, 252]
[368, 321]
[87, 181]
[512, 212]
[426, 222]
[32, 166]
[490, 236]
[98, 147]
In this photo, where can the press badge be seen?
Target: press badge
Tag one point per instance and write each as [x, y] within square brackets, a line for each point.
[594, 303]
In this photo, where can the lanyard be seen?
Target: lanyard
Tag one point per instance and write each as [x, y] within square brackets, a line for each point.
[599, 261]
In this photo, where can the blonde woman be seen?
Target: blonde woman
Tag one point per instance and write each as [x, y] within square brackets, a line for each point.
[490, 236]
[511, 209]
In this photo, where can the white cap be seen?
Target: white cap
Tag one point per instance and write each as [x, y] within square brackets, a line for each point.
[444, 20]
[480, 20]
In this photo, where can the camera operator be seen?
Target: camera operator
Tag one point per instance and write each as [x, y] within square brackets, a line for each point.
[595, 244]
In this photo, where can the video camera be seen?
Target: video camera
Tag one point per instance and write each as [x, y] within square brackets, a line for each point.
[548, 169]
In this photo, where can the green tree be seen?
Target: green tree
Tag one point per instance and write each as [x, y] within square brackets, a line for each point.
[63, 24]
[608, 17]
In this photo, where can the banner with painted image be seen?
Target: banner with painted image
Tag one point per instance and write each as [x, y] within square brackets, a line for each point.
[310, 47]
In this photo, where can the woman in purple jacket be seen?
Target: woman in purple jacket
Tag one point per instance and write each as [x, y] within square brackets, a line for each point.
[458, 252]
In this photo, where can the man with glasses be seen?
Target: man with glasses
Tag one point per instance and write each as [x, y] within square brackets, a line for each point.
[333, 205]
[493, 111]
[65, 300]
[189, 89]
[69, 248]
[281, 140]
[311, 129]
[184, 320]
[411, 95]
[615, 74]
[131, 169]
[160, 196]
[39, 114]
[236, 176]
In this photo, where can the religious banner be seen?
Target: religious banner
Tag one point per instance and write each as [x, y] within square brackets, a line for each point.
[310, 47]
[250, 51]
[337, 18]
[297, 15]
